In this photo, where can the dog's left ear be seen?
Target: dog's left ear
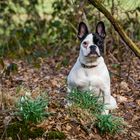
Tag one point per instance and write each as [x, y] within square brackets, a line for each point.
[100, 29]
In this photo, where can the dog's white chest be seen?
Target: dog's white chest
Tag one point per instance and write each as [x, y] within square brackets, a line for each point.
[94, 79]
[89, 79]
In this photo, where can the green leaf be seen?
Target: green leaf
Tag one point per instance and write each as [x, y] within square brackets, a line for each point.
[56, 23]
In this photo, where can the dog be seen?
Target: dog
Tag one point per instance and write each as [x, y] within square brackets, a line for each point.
[90, 72]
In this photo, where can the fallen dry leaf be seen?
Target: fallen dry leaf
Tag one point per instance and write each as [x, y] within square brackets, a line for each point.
[124, 86]
[68, 127]
[121, 98]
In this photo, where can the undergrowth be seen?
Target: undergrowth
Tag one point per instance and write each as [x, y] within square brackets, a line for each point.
[32, 110]
[93, 104]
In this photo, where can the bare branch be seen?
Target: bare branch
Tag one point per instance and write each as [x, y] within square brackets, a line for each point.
[117, 27]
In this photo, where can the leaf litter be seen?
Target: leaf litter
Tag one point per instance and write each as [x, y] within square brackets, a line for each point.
[51, 78]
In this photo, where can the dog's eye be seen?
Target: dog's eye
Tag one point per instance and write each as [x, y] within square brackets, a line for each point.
[85, 43]
[99, 43]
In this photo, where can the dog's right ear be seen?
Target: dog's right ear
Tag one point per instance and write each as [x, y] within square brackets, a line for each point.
[100, 29]
[82, 30]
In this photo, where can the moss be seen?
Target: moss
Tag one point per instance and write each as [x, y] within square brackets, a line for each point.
[37, 132]
[23, 131]
[56, 135]
[13, 130]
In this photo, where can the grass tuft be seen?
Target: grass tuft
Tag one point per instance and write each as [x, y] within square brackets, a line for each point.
[109, 123]
[32, 110]
[86, 100]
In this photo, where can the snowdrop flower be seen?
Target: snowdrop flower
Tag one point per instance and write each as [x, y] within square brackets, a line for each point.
[22, 99]
[28, 93]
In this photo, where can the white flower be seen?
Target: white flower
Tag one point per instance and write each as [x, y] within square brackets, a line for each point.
[28, 93]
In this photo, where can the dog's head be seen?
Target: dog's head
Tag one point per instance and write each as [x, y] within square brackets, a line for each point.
[91, 43]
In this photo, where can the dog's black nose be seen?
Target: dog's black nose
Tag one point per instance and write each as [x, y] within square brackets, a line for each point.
[93, 48]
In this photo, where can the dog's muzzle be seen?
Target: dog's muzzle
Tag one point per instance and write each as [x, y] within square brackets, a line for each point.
[93, 51]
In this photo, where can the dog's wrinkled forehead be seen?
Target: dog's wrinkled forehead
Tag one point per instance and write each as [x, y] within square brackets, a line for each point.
[88, 38]
[93, 38]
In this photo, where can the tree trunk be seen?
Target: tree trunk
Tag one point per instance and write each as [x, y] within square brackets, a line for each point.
[117, 27]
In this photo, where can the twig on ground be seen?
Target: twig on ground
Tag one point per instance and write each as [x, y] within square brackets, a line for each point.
[83, 127]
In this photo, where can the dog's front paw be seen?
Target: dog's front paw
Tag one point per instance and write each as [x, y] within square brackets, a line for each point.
[105, 112]
[68, 103]
[112, 105]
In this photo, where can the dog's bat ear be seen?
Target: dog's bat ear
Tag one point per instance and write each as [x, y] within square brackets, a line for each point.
[82, 30]
[100, 29]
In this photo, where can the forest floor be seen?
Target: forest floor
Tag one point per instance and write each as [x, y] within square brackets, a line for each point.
[51, 78]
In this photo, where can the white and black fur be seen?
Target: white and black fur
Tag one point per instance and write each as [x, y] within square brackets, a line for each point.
[90, 72]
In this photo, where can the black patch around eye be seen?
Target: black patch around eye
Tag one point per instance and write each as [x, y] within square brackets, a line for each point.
[98, 41]
[96, 38]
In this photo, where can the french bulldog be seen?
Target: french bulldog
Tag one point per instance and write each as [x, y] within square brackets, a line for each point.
[90, 72]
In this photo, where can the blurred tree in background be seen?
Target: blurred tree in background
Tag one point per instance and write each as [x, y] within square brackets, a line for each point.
[40, 28]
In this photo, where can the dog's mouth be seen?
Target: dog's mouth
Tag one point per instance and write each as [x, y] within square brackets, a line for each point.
[95, 55]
